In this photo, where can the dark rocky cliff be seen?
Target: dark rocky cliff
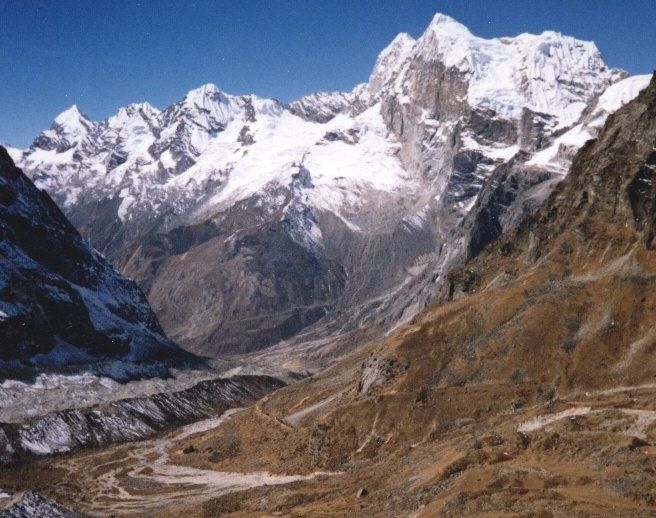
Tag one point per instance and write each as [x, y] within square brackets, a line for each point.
[60, 301]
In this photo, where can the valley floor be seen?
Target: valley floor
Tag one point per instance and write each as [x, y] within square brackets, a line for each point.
[577, 455]
[138, 479]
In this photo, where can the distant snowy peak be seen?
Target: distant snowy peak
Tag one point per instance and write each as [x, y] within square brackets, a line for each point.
[204, 92]
[211, 109]
[445, 27]
[548, 73]
[210, 100]
[145, 111]
[132, 121]
[73, 122]
[68, 129]
[206, 109]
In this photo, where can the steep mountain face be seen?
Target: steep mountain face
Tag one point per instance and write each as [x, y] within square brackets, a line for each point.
[520, 185]
[61, 303]
[250, 223]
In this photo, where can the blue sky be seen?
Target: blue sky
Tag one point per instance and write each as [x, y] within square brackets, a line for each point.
[102, 55]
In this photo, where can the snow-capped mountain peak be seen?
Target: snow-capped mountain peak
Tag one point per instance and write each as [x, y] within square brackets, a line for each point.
[68, 129]
[144, 109]
[205, 94]
[547, 73]
[207, 107]
[72, 124]
[445, 26]
[134, 114]
[72, 119]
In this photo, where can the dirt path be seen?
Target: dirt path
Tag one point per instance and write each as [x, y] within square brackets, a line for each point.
[640, 419]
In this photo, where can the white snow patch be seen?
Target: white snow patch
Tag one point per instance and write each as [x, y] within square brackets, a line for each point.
[127, 201]
[495, 153]
[15, 154]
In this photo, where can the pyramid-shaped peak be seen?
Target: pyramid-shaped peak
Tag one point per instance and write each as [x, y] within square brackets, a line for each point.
[72, 114]
[445, 24]
[401, 39]
[145, 107]
[73, 121]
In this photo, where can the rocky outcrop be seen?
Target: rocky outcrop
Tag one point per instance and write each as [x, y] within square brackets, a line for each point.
[324, 106]
[34, 505]
[608, 198]
[128, 419]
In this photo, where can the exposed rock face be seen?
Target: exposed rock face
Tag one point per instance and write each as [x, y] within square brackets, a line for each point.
[250, 223]
[60, 301]
[127, 419]
[589, 245]
[323, 106]
[33, 505]
[608, 195]
[266, 282]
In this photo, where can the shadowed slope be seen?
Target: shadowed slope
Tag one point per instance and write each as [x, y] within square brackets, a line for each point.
[61, 303]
